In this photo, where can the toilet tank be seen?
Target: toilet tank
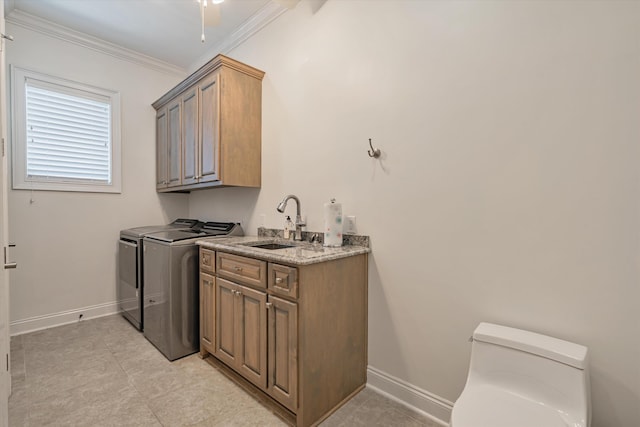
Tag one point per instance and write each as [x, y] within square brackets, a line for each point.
[543, 369]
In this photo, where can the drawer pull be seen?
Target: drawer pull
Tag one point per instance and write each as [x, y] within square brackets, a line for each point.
[279, 280]
[238, 269]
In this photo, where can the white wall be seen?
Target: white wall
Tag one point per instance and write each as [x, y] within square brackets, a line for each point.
[67, 242]
[509, 186]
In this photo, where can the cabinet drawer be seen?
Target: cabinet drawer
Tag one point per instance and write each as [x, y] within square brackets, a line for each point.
[283, 280]
[241, 269]
[207, 260]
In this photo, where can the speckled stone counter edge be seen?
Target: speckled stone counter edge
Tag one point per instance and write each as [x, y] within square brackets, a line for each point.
[302, 253]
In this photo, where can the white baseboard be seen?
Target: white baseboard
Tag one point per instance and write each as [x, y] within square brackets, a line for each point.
[428, 404]
[23, 326]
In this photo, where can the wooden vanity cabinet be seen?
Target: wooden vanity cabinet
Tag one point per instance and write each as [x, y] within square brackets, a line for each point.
[208, 129]
[298, 333]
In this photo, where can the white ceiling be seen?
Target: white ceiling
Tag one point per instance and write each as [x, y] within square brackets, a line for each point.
[168, 30]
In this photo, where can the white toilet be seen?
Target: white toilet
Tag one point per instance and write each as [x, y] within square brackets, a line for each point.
[522, 379]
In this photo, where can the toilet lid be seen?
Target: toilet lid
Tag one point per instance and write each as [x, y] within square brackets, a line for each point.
[486, 406]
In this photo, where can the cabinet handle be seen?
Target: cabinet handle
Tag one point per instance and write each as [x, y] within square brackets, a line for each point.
[268, 305]
[279, 280]
[238, 269]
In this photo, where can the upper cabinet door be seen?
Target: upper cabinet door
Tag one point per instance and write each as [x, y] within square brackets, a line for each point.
[190, 137]
[175, 142]
[161, 149]
[210, 128]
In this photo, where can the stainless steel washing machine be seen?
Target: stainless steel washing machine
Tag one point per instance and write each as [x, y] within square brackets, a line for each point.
[130, 267]
[171, 302]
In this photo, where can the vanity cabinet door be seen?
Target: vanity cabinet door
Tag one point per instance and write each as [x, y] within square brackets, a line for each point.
[225, 322]
[241, 330]
[252, 335]
[283, 352]
[207, 313]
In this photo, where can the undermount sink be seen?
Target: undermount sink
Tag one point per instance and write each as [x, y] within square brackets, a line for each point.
[272, 246]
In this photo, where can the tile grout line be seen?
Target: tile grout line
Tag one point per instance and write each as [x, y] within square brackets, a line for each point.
[132, 384]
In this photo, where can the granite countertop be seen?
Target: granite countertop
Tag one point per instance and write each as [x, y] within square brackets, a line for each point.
[303, 252]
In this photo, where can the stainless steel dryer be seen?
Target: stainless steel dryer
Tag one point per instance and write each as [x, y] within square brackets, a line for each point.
[171, 303]
[130, 267]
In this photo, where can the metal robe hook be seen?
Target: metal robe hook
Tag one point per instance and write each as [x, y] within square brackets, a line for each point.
[375, 153]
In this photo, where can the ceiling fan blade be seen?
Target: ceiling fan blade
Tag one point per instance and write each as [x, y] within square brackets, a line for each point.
[289, 4]
[212, 15]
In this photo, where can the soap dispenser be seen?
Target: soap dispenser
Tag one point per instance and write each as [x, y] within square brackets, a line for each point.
[288, 226]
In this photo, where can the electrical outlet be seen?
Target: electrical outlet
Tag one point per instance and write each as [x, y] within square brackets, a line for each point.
[350, 224]
[262, 220]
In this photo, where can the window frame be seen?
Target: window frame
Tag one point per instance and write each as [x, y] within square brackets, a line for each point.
[21, 181]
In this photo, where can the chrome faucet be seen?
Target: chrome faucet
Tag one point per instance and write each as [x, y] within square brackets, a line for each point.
[299, 223]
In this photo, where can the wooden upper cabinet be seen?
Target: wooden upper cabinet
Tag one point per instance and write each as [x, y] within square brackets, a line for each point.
[209, 91]
[162, 149]
[189, 137]
[215, 124]
[174, 111]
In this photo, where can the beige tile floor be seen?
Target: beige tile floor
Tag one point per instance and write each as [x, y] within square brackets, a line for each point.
[103, 372]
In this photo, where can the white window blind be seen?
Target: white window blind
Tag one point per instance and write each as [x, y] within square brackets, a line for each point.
[66, 135]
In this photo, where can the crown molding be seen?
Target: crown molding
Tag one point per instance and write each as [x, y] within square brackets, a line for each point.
[215, 63]
[48, 28]
[248, 28]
